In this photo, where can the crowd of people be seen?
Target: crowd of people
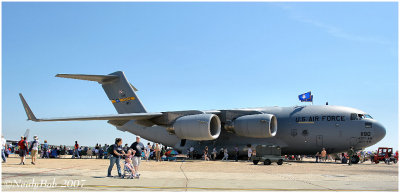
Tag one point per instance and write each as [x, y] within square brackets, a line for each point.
[345, 157]
[222, 154]
[44, 150]
[133, 154]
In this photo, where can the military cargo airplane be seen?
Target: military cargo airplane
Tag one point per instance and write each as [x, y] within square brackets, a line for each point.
[300, 130]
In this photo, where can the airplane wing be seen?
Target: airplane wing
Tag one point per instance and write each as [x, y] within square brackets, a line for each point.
[118, 117]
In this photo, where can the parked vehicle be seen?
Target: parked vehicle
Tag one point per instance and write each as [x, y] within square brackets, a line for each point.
[267, 155]
[385, 154]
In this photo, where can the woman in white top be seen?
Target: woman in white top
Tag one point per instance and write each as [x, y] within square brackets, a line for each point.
[225, 155]
[96, 152]
[249, 153]
[35, 148]
[214, 152]
[147, 152]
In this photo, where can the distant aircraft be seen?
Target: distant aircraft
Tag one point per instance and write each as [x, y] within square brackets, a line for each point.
[299, 130]
[26, 134]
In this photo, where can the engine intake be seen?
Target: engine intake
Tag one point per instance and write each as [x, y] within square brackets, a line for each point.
[199, 127]
[255, 126]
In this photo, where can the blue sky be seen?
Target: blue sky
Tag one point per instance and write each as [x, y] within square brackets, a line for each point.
[184, 56]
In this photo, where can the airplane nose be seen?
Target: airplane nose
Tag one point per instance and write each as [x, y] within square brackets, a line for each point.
[380, 131]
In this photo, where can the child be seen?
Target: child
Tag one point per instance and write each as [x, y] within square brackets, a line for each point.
[128, 162]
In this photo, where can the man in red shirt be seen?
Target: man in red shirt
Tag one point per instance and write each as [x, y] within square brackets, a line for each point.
[76, 152]
[23, 149]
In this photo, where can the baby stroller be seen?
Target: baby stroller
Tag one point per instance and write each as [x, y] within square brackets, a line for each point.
[128, 173]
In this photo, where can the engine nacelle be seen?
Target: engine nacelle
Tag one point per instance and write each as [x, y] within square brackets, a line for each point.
[199, 127]
[255, 126]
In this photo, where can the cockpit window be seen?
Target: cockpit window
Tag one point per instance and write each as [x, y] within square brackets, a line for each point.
[355, 116]
[368, 116]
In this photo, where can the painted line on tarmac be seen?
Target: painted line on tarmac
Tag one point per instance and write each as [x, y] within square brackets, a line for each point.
[187, 179]
[200, 188]
[242, 189]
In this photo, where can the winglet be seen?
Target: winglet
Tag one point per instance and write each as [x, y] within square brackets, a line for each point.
[28, 110]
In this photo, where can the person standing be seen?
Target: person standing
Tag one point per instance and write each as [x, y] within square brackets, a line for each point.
[115, 156]
[350, 153]
[316, 157]
[387, 157]
[191, 152]
[147, 152]
[157, 150]
[45, 150]
[89, 153]
[372, 157]
[96, 150]
[206, 154]
[34, 149]
[3, 149]
[76, 150]
[225, 154]
[138, 147]
[323, 155]
[221, 153]
[163, 151]
[23, 145]
[101, 152]
[106, 154]
[249, 153]
[64, 150]
[236, 153]
[214, 152]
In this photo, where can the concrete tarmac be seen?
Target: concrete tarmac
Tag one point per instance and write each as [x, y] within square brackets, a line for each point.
[90, 175]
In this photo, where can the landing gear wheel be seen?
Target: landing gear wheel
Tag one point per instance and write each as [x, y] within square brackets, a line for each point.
[267, 162]
[280, 162]
[354, 159]
[255, 162]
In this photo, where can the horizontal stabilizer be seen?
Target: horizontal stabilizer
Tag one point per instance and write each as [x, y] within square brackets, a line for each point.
[102, 79]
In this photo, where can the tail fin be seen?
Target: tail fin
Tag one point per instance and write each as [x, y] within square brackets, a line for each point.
[120, 92]
[27, 133]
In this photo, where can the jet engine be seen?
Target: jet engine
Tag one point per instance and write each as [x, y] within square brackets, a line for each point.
[199, 127]
[255, 126]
